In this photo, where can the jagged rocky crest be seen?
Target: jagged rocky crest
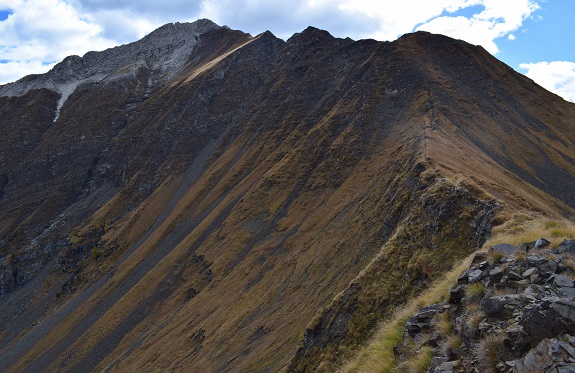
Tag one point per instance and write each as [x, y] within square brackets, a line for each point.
[211, 200]
[511, 311]
[164, 51]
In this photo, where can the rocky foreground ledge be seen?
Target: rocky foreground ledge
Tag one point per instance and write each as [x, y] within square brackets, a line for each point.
[512, 310]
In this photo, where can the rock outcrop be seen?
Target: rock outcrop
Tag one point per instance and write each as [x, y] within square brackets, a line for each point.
[513, 310]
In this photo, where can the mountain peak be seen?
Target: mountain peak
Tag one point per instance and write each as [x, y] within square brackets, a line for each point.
[179, 30]
[311, 33]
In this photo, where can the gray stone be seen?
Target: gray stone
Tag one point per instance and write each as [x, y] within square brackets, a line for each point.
[535, 259]
[463, 277]
[567, 292]
[494, 306]
[567, 246]
[528, 246]
[548, 356]
[456, 294]
[475, 276]
[422, 319]
[529, 272]
[533, 292]
[512, 275]
[448, 367]
[542, 242]
[566, 309]
[547, 267]
[517, 338]
[496, 274]
[504, 248]
[561, 281]
[540, 322]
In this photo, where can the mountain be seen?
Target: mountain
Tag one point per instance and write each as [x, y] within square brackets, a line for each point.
[207, 200]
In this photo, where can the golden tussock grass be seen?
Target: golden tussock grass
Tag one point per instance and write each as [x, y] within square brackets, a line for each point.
[488, 351]
[377, 355]
[527, 227]
[419, 362]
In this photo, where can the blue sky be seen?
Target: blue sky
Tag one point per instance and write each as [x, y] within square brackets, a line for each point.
[532, 36]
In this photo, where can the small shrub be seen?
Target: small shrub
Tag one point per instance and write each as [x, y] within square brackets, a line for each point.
[95, 253]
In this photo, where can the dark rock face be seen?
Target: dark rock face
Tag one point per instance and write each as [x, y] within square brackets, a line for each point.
[530, 327]
[550, 355]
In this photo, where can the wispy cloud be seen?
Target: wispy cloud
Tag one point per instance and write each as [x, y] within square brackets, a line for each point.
[555, 76]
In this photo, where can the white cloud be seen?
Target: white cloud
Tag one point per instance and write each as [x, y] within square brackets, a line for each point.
[555, 76]
[9, 70]
[511, 37]
[499, 18]
[41, 32]
[395, 19]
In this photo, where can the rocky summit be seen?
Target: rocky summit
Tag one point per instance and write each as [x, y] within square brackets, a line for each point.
[207, 200]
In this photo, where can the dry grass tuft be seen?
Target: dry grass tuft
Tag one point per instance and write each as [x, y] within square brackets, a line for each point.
[443, 324]
[488, 351]
[419, 362]
[451, 344]
[495, 256]
[474, 292]
[520, 228]
[474, 320]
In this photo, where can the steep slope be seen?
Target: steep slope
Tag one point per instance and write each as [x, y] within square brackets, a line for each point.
[204, 205]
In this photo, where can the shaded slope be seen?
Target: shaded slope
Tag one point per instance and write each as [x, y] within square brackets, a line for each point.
[209, 219]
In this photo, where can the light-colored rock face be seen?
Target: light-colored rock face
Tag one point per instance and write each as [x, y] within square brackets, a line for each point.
[166, 50]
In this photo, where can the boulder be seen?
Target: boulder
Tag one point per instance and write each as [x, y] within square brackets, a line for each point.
[567, 246]
[456, 294]
[561, 281]
[495, 275]
[422, 319]
[529, 272]
[517, 338]
[504, 248]
[463, 277]
[501, 306]
[475, 276]
[448, 367]
[548, 267]
[568, 292]
[541, 243]
[534, 260]
[550, 355]
[528, 246]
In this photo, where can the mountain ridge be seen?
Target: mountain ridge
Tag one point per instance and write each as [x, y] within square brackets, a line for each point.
[211, 219]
